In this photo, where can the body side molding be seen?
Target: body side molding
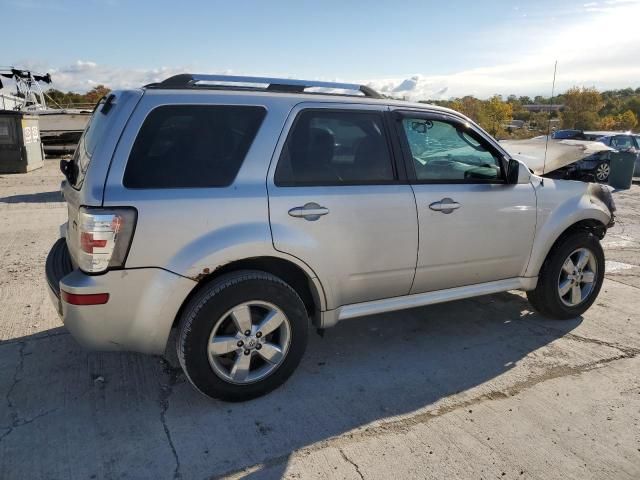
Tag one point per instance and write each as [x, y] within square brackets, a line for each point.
[331, 317]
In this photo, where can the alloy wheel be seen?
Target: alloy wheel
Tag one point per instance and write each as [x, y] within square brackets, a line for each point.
[577, 277]
[602, 172]
[249, 342]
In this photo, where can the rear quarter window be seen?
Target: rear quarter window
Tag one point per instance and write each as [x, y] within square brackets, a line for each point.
[192, 146]
[92, 135]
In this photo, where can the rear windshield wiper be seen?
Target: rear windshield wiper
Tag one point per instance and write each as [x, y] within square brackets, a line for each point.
[70, 170]
[108, 104]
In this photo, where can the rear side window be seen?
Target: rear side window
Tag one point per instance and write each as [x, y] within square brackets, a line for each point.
[335, 148]
[192, 146]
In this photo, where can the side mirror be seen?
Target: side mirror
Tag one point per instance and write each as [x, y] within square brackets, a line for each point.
[513, 172]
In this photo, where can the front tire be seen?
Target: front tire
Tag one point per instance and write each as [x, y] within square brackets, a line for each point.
[242, 336]
[570, 278]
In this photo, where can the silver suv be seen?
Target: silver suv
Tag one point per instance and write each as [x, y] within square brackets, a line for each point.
[243, 211]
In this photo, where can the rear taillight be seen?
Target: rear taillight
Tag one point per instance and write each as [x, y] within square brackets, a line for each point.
[104, 237]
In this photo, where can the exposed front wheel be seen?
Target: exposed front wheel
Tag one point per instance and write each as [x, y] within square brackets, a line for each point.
[570, 278]
[242, 336]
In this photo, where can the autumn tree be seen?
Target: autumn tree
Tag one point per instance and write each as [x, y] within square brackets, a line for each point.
[584, 108]
[495, 113]
[56, 98]
[96, 93]
[608, 122]
[624, 121]
[469, 106]
[627, 120]
[581, 107]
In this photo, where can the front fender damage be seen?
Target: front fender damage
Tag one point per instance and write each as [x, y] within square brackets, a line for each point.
[602, 194]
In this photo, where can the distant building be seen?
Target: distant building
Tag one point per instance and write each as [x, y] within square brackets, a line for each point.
[543, 108]
[514, 124]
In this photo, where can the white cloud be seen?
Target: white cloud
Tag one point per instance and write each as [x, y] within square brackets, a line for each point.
[602, 50]
[83, 75]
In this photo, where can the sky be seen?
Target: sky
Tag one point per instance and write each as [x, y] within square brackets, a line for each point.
[415, 49]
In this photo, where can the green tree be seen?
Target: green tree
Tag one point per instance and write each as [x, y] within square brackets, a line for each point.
[634, 105]
[539, 121]
[522, 115]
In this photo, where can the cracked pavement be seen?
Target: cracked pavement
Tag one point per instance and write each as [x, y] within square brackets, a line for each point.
[481, 388]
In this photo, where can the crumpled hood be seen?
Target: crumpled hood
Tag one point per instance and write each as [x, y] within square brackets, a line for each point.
[559, 153]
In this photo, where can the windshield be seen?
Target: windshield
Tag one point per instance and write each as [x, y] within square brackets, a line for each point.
[622, 142]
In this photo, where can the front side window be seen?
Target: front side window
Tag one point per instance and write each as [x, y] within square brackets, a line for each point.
[335, 148]
[443, 152]
[192, 146]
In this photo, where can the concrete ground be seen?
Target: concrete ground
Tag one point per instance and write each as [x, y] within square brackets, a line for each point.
[480, 388]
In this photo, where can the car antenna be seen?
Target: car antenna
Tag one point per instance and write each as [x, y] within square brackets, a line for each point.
[553, 88]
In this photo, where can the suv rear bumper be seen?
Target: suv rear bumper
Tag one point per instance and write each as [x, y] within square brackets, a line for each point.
[139, 314]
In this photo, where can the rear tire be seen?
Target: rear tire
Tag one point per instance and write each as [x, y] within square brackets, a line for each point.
[602, 172]
[564, 290]
[221, 347]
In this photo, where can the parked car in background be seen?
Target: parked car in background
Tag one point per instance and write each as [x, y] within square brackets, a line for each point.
[568, 135]
[598, 134]
[244, 211]
[598, 165]
[561, 157]
[593, 168]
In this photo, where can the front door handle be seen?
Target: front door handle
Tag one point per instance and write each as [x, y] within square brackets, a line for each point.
[310, 211]
[446, 205]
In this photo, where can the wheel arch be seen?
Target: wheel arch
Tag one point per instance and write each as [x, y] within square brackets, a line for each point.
[304, 283]
[592, 225]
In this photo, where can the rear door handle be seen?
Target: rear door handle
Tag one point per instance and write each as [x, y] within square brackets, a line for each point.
[310, 211]
[446, 205]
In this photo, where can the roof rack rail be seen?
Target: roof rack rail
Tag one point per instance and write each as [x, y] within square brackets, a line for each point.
[188, 80]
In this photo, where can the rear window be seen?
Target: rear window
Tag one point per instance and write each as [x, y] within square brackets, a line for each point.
[192, 146]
